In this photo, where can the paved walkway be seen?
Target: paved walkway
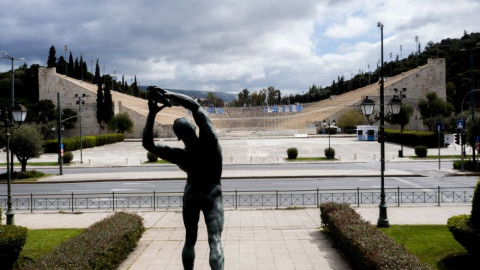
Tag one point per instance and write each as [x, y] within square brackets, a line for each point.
[252, 238]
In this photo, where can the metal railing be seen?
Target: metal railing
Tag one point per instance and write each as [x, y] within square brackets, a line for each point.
[237, 199]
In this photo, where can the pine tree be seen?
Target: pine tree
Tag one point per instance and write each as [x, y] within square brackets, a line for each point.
[107, 104]
[52, 59]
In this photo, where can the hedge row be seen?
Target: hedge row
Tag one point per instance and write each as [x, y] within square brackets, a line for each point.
[468, 165]
[412, 138]
[104, 245]
[466, 228]
[365, 246]
[72, 144]
[12, 240]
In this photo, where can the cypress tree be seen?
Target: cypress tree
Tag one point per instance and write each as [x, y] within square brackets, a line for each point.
[99, 103]
[107, 104]
[136, 91]
[61, 65]
[97, 75]
[76, 69]
[70, 66]
[52, 59]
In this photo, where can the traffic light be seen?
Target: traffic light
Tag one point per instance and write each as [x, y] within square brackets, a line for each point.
[464, 138]
[457, 138]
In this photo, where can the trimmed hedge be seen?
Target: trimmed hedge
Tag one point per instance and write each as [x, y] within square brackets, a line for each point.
[292, 153]
[364, 245]
[72, 144]
[329, 153]
[466, 228]
[421, 150]
[67, 157]
[412, 138]
[104, 245]
[152, 157]
[12, 240]
[464, 233]
[468, 165]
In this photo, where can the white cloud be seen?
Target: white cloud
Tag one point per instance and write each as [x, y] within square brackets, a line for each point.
[230, 45]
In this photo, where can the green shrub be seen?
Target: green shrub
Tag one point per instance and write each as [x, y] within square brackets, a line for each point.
[72, 144]
[12, 240]
[152, 157]
[412, 138]
[468, 165]
[461, 230]
[292, 153]
[365, 246]
[23, 175]
[475, 214]
[421, 150]
[466, 228]
[67, 157]
[329, 153]
[104, 245]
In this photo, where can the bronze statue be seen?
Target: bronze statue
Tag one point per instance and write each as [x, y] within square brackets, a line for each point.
[201, 159]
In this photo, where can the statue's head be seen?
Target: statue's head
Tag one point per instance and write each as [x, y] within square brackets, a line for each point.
[184, 129]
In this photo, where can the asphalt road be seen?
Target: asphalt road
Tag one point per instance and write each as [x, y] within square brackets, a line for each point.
[411, 166]
[460, 182]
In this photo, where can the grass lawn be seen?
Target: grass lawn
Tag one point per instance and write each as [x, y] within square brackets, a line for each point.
[309, 159]
[441, 156]
[433, 244]
[41, 242]
[35, 164]
[161, 161]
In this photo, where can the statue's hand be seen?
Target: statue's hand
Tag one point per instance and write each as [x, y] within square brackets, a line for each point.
[157, 95]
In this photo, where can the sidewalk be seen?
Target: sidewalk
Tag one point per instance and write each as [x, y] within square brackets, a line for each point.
[252, 238]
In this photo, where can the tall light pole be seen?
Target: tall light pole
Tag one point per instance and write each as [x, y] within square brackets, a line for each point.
[80, 102]
[12, 59]
[12, 94]
[327, 127]
[382, 220]
[368, 106]
[19, 113]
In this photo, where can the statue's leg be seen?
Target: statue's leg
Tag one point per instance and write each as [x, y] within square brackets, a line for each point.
[190, 220]
[214, 219]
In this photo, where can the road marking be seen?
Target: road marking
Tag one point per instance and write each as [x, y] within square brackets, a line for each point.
[411, 184]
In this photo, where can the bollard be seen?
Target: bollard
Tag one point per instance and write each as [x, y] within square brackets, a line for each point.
[354, 156]
[374, 157]
[251, 159]
[231, 160]
[339, 158]
[89, 162]
[126, 161]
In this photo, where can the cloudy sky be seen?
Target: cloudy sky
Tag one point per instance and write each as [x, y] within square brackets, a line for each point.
[225, 45]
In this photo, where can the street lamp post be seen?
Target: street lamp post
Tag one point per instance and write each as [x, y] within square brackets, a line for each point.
[368, 106]
[80, 102]
[19, 113]
[327, 127]
[12, 83]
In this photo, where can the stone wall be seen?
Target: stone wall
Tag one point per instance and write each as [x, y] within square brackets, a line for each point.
[430, 78]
